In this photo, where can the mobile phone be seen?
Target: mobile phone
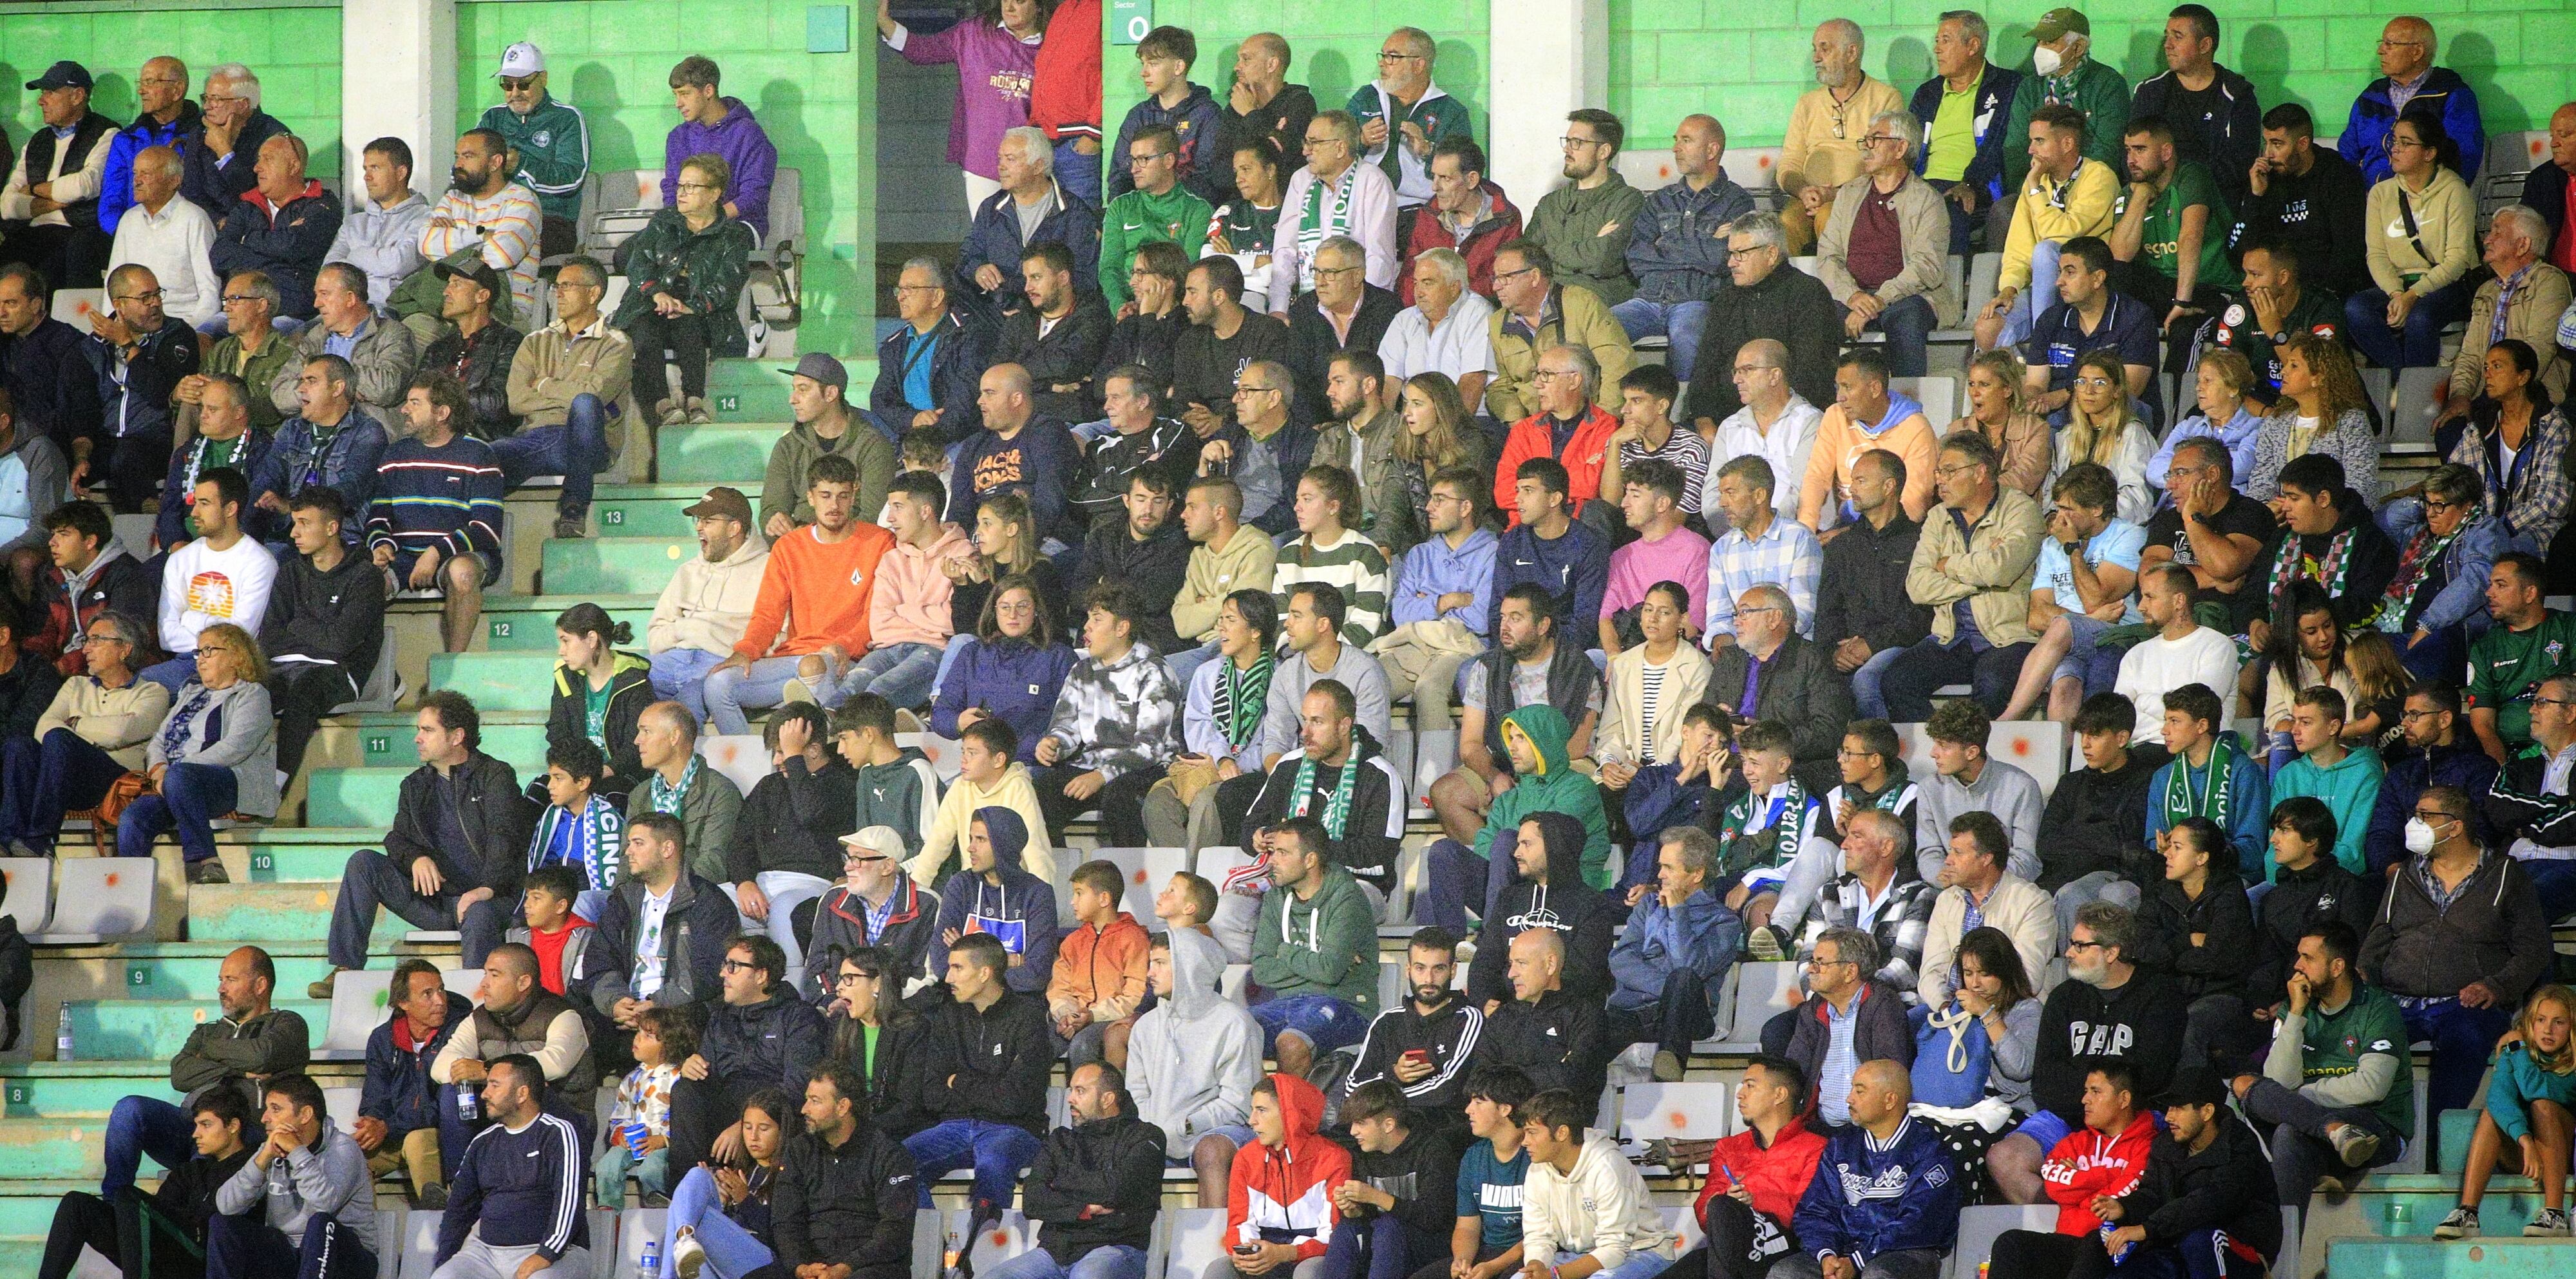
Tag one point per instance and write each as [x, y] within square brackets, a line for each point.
[1417, 1056]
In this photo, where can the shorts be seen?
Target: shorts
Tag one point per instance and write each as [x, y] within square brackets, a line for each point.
[1239, 1134]
[1326, 1022]
[404, 560]
[2084, 632]
[2044, 1127]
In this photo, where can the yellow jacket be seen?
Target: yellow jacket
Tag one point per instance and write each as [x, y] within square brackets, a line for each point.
[2061, 211]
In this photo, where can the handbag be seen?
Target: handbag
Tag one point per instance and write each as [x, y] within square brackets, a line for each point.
[111, 809]
[1187, 780]
[1951, 1057]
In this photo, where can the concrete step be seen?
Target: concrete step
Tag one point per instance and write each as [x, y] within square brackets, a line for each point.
[261, 913]
[613, 566]
[385, 740]
[91, 1089]
[732, 453]
[63, 1149]
[27, 1212]
[497, 681]
[171, 970]
[2508, 1257]
[528, 624]
[144, 1029]
[354, 796]
[652, 510]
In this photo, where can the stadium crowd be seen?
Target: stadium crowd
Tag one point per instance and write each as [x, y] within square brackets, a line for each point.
[1158, 507]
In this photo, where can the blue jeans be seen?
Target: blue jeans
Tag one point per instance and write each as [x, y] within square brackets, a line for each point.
[997, 1152]
[1639, 1265]
[732, 1251]
[1455, 881]
[1394, 1249]
[1680, 321]
[1908, 686]
[1110, 1261]
[1186, 663]
[1871, 703]
[173, 674]
[2035, 297]
[680, 675]
[2419, 343]
[900, 673]
[1077, 173]
[758, 686]
[2462, 1038]
[1322, 1020]
[576, 450]
[1908, 325]
[140, 1126]
[957, 646]
[608, 1172]
[241, 1248]
[40, 781]
[192, 797]
[2555, 881]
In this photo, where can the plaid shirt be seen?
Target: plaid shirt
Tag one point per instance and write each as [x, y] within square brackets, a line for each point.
[2533, 500]
[1787, 555]
[1904, 913]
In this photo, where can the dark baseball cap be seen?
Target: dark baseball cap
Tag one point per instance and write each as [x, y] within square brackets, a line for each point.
[65, 74]
[480, 272]
[727, 502]
[822, 368]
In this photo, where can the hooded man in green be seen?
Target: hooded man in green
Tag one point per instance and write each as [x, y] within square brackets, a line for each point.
[1458, 879]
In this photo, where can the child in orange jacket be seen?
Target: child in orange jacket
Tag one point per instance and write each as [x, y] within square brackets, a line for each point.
[1099, 978]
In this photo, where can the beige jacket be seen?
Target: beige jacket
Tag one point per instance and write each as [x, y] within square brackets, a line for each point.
[555, 364]
[2017, 907]
[1923, 225]
[1811, 154]
[708, 606]
[2532, 317]
[120, 721]
[2446, 224]
[1581, 320]
[1621, 735]
[1990, 568]
[1247, 563]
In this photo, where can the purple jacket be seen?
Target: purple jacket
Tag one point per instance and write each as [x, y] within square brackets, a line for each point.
[745, 148]
[994, 69]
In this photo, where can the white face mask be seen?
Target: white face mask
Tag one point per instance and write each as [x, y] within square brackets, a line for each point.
[2419, 835]
[2045, 61]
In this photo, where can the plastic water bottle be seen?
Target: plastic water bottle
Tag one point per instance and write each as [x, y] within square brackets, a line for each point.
[63, 1033]
[468, 1107]
[651, 1266]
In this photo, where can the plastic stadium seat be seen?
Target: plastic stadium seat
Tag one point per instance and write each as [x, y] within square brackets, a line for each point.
[1806, 264]
[1762, 991]
[2412, 408]
[29, 893]
[1237, 976]
[1979, 1226]
[1679, 1219]
[73, 306]
[1001, 1241]
[419, 1240]
[1152, 868]
[940, 751]
[341, 1104]
[1938, 394]
[1217, 861]
[2036, 747]
[98, 899]
[1390, 983]
[1435, 753]
[358, 1000]
[742, 758]
[927, 1242]
[1694, 1111]
[384, 684]
[1197, 1239]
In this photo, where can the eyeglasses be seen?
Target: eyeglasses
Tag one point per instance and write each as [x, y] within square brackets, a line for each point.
[1818, 961]
[699, 186]
[1732, 253]
[1550, 375]
[2434, 815]
[1952, 472]
[1500, 276]
[1327, 140]
[1322, 271]
[151, 296]
[2411, 716]
[95, 638]
[2083, 945]
[2551, 701]
[853, 859]
[846, 978]
[1248, 389]
[732, 965]
[1845, 753]
[1877, 138]
[240, 299]
[918, 288]
[1389, 55]
[1149, 157]
[1569, 142]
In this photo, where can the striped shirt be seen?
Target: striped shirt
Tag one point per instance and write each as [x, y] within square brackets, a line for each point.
[447, 497]
[1650, 690]
[1354, 564]
[1787, 555]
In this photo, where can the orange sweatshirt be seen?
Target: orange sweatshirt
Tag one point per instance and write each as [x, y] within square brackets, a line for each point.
[1534, 436]
[1101, 969]
[821, 590]
[1827, 483]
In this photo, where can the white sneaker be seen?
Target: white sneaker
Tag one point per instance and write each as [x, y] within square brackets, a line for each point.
[687, 1257]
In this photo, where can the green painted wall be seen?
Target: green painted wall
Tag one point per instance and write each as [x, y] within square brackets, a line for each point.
[1334, 45]
[613, 58]
[295, 49]
[1746, 60]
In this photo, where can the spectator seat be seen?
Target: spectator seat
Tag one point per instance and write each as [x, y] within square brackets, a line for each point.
[99, 899]
[1979, 1226]
[28, 896]
[1762, 991]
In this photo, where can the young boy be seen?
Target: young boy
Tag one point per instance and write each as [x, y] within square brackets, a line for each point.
[2347, 780]
[2091, 844]
[2211, 775]
[1761, 829]
[1403, 1187]
[1163, 61]
[1584, 1200]
[579, 829]
[1661, 796]
[1099, 976]
[554, 929]
[922, 449]
[987, 777]
[898, 787]
[2309, 887]
[1486, 1241]
[1187, 901]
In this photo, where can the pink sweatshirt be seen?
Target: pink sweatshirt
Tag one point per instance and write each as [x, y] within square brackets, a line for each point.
[1636, 567]
[910, 602]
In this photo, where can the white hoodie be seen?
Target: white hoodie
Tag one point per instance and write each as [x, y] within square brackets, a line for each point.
[708, 606]
[1602, 1209]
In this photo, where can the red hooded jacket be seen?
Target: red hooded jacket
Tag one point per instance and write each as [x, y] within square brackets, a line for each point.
[1583, 456]
[2089, 1163]
[1777, 1175]
[1286, 1195]
[1501, 225]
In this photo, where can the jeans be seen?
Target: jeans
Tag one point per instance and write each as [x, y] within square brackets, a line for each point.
[2554, 880]
[1453, 883]
[1908, 324]
[1392, 1248]
[1109, 1261]
[1680, 321]
[1866, 697]
[372, 879]
[1908, 685]
[758, 686]
[40, 781]
[1325, 1021]
[240, 1248]
[1077, 173]
[732, 1252]
[2419, 343]
[787, 890]
[2462, 1039]
[192, 797]
[900, 673]
[996, 1151]
[2295, 1127]
[173, 674]
[304, 692]
[576, 450]
[1684, 1014]
[680, 675]
[608, 1172]
[1182, 664]
[2035, 297]
[140, 1126]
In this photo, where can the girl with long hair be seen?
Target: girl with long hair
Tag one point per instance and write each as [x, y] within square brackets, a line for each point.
[2525, 1127]
[2322, 409]
[600, 692]
[2101, 430]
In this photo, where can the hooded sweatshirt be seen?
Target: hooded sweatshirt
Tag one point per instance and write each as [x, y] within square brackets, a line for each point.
[708, 605]
[953, 823]
[2228, 1186]
[746, 148]
[1824, 492]
[770, 1044]
[1020, 911]
[909, 603]
[1014, 681]
[321, 1179]
[2350, 789]
[1553, 787]
[2087, 1164]
[1567, 904]
[1119, 717]
[903, 794]
[1192, 1059]
[1324, 944]
[1284, 1194]
[1602, 1209]
[1100, 970]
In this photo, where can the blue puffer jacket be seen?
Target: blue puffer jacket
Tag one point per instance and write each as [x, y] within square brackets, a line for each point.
[994, 239]
[1014, 681]
[398, 1090]
[1703, 936]
[1021, 912]
[2365, 134]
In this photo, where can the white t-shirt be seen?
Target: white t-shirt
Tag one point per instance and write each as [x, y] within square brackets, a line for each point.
[649, 962]
[201, 586]
[2159, 665]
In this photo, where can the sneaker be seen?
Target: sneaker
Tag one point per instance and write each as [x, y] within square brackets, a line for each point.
[2546, 1223]
[796, 690]
[321, 990]
[209, 871]
[571, 528]
[1764, 943]
[2461, 1224]
[688, 1257]
[697, 412]
[433, 1199]
[1668, 1066]
[669, 413]
[2354, 1144]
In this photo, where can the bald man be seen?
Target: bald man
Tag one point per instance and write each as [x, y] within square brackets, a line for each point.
[2550, 190]
[1261, 104]
[2408, 81]
[170, 237]
[1821, 150]
[1893, 1210]
[1678, 253]
[251, 1041]
[1020, 450]
[1551, 1034]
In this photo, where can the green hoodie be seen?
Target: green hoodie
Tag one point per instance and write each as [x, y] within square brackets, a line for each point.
[1324, 945]
[1139, 218]
[1552, 787]
[2350, 790]
[2095, 88]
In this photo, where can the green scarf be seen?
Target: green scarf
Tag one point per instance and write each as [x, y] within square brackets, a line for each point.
[667, 798]
[1337, 809]
[1239, 698]
[1763, 852]
[2217, 796]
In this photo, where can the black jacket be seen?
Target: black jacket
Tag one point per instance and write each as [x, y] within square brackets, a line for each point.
[1116, 1163]
[2227, 1187]
[289, 247]
[990, 1065]
[852, 1205]
[1565, 904]
[957, 362]
[1154, 569]
[1373, 834]
[2544, 191]
[2097, 821]
[1449, 1036]
[793, 820]
[840, 927]
[1311, 338]
[1788, 306]
[1281, 121]
[138, 402]
[2135, 1024]
[217, 188]
[694, 931]
[50, 379]
[773, 1043]
[2301, 900]
[496, 818]
[1167, 445]
[337, 616]
[1422, 1174]
[1067, 354]
[2226, 141]
[1867, 566]
[483, 365]
[1556, 1041]
[1146, 340]
[186, 1196]
[630, 690]
[1879, 1032]
[2410, 773]
[25, 691]
[2519, 806]
[2317, 214]
[2167, 919]
[1798, 687]
[2494, 932]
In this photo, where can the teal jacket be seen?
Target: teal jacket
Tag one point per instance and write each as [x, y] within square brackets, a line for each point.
[1323, 945]
[553, 143]
[2095, 89]
[2518, 1082]
[2350, 790]
[1552, 787]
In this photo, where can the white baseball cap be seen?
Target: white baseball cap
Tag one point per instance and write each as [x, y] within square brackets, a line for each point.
[523, 58]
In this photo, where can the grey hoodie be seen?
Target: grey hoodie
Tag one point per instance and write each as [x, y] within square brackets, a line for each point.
[1193, 1058]
[320, 1180]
